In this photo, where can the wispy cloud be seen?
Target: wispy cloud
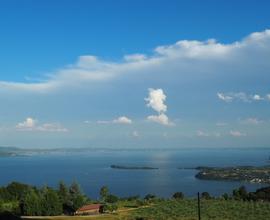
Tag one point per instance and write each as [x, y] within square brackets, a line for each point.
[122, 120]
[240, 96]
[235, 133]
[201, 133]
[119, 120]
[221, 124]
[251, 121]
[135, 134]
[225, 98]
[31, 124]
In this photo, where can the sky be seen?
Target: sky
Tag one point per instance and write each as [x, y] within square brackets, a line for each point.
[134, 74]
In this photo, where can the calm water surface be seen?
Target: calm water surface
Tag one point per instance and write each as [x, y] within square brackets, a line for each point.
[92, 170]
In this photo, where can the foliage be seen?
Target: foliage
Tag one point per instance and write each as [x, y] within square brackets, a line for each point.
[16, 190]
[11, 207]
[50, 202]
[240, 205]
[31, 204]
[225, 196]
[110, 207]
[77, 198]
[22, 199]
[4, 194]
[240, 194]
[205, 195]
[149, 197]
[111, 198]
[178, 195]
[104, 192]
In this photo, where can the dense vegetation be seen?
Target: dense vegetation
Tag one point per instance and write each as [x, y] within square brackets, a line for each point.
[22, 199]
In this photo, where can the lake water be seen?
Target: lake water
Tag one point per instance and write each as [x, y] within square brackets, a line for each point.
[92, 170]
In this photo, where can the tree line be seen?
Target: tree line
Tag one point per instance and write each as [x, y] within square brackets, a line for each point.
[23, 199]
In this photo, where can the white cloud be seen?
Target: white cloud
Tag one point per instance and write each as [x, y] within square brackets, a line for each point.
[122, 120]
[28, 124]
[257, 97]
[239, 96]
[52, 127]
[31, 124]
[135, 134]
[156, 99]
[161, 119]
[103, 122]
[221, 124]
[237, 133]
[251, 121]
[268, 97]
[201, 133]
[187, 59]
[135, 57]
[224, 97]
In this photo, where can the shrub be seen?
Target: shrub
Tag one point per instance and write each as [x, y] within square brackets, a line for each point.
[178, 195]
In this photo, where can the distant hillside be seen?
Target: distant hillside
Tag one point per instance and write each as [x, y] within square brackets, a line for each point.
[9, 151]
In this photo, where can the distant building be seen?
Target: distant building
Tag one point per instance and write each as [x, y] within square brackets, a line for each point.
[90, 209]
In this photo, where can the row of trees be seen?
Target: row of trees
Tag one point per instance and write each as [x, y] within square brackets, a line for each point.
[262, 194]
[24, 199]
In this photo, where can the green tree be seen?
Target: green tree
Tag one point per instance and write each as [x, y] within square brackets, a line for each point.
[111, 198]
[149, 197]
[225, 196]
[63, 192]
[205, 195]
[104, 192]
[17, 190]
[65, 198]
[77, 198]
[110, 207]
[4, 194]
[178, 195]
[240, 193]
[50, 202]
[31, 204]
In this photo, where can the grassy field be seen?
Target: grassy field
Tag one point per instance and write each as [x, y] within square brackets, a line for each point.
[186, 210]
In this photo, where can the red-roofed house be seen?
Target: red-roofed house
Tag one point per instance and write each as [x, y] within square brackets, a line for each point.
[90, 209]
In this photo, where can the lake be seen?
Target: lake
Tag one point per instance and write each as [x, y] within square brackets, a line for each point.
[91, 169]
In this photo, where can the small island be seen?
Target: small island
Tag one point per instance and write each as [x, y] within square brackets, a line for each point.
[239, 173]
[133, 167]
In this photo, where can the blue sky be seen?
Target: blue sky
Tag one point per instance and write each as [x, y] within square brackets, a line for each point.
[135, 73]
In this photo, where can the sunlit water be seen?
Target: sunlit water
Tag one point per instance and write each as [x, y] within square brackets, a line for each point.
[92, 170]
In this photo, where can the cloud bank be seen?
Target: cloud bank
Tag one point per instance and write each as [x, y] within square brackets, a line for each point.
[186, 59]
